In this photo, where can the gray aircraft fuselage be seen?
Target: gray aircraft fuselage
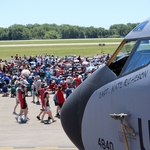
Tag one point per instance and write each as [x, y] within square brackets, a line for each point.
[121, 89]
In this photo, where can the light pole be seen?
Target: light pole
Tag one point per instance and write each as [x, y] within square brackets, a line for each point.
[102, 44]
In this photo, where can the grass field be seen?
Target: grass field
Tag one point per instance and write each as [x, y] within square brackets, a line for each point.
[82, 50]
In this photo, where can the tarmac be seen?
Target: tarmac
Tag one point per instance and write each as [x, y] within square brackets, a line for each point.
[62, 44]
[32, 134]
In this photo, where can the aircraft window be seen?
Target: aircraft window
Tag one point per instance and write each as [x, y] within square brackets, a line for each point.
[118, 63]
[141, 26]
[140, 58]
[126, 50]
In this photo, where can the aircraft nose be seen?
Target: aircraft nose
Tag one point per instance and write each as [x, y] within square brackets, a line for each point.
[73, 109]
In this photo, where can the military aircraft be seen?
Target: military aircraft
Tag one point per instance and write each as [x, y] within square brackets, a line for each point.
[110, 110]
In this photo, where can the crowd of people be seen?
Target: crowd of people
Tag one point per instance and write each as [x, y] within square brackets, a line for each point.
[41, 76]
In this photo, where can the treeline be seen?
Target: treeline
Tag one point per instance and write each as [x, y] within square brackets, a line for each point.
[53, 31]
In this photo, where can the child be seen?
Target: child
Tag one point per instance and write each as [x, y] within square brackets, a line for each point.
[47, 108]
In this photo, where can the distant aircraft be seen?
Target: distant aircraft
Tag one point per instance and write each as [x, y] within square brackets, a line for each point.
[110, 110]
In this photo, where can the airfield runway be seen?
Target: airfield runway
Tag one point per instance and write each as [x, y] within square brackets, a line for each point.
[33, 134]
[62, 44]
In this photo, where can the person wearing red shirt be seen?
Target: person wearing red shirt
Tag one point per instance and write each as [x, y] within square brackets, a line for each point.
[64, 85]
[42, 91]
[16, 57]
[61, 99]
[23, 104]
[61, 71]
[52, 86]
[78, 81]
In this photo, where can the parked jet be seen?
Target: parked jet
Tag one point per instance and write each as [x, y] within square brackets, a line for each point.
[110, 110]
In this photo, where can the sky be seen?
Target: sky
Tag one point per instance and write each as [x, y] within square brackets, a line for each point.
[86, 13]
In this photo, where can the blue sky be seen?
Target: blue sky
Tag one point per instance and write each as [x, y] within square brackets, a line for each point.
[95, 13]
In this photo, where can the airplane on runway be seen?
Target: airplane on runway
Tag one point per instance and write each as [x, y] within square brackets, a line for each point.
[110, 110]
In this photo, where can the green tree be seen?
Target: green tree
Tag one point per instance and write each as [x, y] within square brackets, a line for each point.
[54, 31]
[51, 35]
[101, 32]
[74, 32]
[4, 34]
[65, 31]
[38, 32]
[81, 34]
[19, 32]
[91, 32]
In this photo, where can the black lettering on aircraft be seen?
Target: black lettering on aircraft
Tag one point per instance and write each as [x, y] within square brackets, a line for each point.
[149, 129]
[117, 86]
[135, 78]
[123, 84]
[105, 145]
[103, 93]
[140, 134]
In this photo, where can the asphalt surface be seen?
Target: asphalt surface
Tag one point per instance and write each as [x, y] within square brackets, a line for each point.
[33, 134]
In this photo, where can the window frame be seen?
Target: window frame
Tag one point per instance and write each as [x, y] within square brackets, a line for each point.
[131, 56]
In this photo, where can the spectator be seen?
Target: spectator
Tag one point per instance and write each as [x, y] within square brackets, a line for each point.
[17, 98]
[47, 108]
[38, 88]
[61, 99]
[48, 76]
[23, 103]
[42, 91]
[5, 90]
[68, 90]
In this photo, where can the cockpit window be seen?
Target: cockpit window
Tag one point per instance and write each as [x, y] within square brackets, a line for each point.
[140, 58]
[126, 50]
[119, 61]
